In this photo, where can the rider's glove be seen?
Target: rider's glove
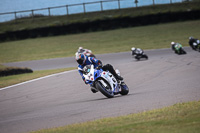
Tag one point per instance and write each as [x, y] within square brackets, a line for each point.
[100, 64]
[86, 82]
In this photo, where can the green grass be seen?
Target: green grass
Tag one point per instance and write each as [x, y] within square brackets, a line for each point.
[179, 118]
[29, 23]
[14, 79]
[146, 37]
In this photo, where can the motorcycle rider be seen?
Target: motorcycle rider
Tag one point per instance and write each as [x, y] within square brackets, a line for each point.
[86, 52]
[193, 43]
[84, 60]
[81, 50]
[176, 47]
[173, 46]
[137, 51]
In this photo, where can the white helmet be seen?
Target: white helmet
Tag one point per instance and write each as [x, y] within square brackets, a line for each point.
[80, 48]
[132, 48]
[172, 43]
[190, 37]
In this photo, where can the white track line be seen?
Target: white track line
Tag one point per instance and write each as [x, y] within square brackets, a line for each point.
[36, 79]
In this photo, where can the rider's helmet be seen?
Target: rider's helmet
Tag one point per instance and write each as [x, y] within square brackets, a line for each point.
[172, 43]
[132, 48]
[80, 49]
[80, 58]
[190, 37]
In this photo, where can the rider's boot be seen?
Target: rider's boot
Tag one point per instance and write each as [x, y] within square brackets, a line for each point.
[111, 70]
[118, 77]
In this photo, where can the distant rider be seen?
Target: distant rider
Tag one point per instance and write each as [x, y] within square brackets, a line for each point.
[173, 46]
[81, 50]
[137, 51]
[83, 60]
[194, 43]
[177, 48]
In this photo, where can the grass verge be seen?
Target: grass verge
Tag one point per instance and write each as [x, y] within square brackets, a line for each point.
[14, 79]
[179, 118]
[145, 37]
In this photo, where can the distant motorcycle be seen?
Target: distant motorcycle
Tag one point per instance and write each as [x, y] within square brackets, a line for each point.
[104, 81]
[194, 43]
[138, 53]
[139, 56]
[178, 49]
[196, 47]
[89, 54]
[86, 52]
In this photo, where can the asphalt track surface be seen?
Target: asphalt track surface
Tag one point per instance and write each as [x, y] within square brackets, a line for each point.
[62, 99]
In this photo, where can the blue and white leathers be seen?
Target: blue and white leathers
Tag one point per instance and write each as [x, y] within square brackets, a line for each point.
[88, 61]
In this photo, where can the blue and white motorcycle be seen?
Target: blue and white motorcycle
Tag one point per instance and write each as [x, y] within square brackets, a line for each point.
[104, 81]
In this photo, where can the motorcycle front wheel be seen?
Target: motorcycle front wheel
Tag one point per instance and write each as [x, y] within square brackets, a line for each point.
[105, 90]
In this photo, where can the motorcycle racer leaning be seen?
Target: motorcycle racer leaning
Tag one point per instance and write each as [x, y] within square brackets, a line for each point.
[83, 60]
[81, 50]
[177, 48]
[193, 43]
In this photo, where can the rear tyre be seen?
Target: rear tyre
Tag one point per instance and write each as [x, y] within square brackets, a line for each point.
[124, 89]
[182, 51]
[145, 56]
[106, 91]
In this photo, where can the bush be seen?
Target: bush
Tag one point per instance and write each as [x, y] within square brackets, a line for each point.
[14, 71]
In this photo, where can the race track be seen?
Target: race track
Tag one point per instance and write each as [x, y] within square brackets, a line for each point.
[62, 99]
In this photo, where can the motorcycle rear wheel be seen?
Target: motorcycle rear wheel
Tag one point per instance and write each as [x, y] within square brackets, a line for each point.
[145, 56]
[124, 89]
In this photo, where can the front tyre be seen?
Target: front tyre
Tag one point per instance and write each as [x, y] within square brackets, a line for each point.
[105, 90]
[124, 89]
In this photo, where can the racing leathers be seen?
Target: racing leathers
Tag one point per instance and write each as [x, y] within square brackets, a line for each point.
[178, 48]
[137, 51]
[97, 63]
